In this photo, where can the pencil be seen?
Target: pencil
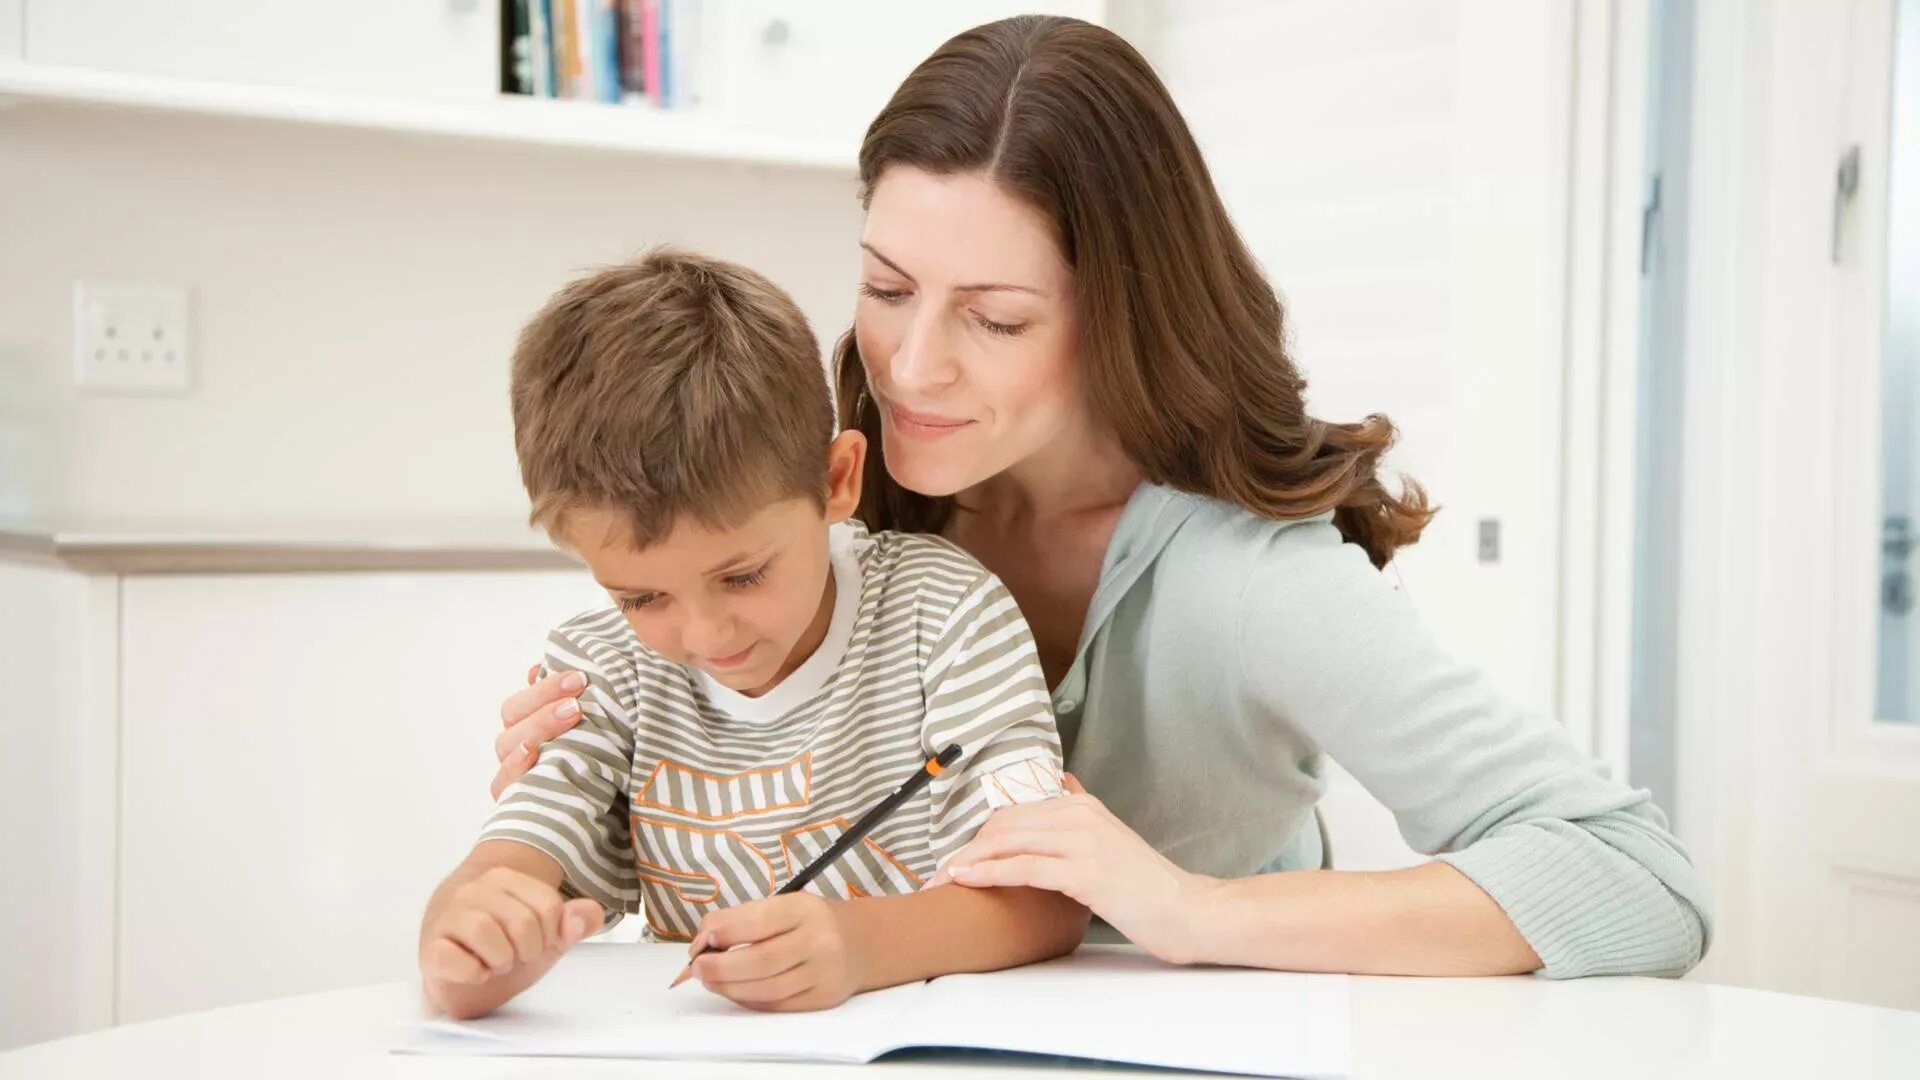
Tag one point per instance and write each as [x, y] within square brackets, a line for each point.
[934, 766]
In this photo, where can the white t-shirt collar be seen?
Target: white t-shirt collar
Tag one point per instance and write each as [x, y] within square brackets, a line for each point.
[812, 675]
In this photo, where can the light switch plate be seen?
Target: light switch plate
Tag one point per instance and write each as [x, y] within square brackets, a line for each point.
[131, 338]
[1489, 540]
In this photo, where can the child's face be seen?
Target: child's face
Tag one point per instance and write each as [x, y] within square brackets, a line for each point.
[746, 604]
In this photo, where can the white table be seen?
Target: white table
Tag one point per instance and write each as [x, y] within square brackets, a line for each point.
[1435, 1029]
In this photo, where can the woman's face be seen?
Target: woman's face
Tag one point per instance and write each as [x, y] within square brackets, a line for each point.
[965, 324]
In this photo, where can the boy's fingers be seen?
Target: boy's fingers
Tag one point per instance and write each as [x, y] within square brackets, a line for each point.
[480, 934]
[768, 958]
[751, 922]
[580, 919]
[445, 961]
[767, 992]
[533, 674]
[523, 927]
[524, 703]
[1072, 784]
[542, 899]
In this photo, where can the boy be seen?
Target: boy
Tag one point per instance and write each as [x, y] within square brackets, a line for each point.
[767, 674]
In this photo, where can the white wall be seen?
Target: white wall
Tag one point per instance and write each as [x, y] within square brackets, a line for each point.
[1398, 166]
[1392, 163]
[355, 300]
[1395, 164]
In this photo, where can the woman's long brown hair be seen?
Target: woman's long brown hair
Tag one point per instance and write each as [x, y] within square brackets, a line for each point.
[1182, 342]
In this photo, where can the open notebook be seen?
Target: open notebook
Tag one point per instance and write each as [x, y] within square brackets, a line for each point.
[1103, 1003]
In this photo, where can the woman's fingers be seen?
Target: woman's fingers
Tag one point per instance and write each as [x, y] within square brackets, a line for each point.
[1023, 871]
[542, 726]
[522, 704]
[1067, 811]
[530, 718]
[1006, 842]
[512, 769]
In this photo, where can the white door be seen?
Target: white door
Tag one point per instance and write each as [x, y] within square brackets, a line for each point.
[1802, 800]
[1897, 698]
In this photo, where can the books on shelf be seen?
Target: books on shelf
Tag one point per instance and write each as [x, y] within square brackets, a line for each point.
[612, 51]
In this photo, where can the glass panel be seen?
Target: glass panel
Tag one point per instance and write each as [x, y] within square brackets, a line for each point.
[1899, 680]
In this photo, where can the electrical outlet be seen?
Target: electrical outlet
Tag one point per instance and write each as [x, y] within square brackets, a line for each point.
[130, 338]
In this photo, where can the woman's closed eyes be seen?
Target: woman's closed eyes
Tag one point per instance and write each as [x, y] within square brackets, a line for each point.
[896, 296]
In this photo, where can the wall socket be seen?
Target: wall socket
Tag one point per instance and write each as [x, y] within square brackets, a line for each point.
[130, 338]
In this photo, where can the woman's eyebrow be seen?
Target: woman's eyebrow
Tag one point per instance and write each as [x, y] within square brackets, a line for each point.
[999, 287]
[985, 287]
[891, 265]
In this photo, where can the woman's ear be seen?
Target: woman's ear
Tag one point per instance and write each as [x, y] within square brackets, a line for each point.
[846, 465]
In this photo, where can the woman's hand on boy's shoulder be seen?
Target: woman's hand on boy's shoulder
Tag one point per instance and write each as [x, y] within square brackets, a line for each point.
[801, 955]
[530, 717]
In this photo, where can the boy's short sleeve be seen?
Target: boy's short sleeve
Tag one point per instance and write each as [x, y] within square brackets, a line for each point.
[986, 692]
[573, 803]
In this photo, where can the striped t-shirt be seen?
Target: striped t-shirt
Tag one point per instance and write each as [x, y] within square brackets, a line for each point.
[675, 795]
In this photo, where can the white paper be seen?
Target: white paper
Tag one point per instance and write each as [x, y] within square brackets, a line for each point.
[613, 1001]
[1102, 1003]
[1113, 1003]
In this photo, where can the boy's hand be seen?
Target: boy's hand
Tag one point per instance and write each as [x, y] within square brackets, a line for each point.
[500, 922]
[798, 954]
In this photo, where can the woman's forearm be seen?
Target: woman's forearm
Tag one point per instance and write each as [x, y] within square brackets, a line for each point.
[1424, 920]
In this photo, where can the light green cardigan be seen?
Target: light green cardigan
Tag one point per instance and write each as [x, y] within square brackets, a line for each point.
[1224, 654]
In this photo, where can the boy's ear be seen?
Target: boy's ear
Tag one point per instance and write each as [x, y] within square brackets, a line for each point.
[846, 465]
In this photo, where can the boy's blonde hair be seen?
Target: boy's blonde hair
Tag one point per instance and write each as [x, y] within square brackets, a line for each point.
[673, 383]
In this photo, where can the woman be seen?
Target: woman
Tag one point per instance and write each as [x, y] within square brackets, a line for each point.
[1069, 364]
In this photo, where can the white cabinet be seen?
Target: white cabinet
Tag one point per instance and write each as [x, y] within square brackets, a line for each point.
[783, 81]
[826, 69]
[303, 757]
[419, 48]
[56, 957]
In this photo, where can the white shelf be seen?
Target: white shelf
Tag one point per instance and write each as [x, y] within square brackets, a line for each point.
[506, 118]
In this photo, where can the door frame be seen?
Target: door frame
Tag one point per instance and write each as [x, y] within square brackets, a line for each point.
[1786, 782]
